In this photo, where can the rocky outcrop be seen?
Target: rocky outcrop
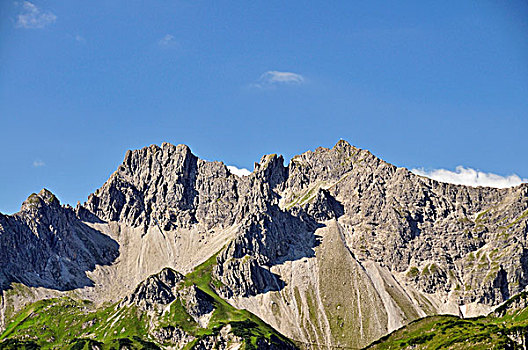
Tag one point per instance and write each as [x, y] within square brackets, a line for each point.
[224, 340]
[161, 289]
[514, 305]
[173, 336]
[156, 291]
[403, 221]
[446, 247]
[245, 277]
[198, 304]
[228, 338]
[47, 245]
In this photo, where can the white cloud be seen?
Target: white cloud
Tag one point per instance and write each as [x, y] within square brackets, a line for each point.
[33, 17]
[38, 163]
[237, 171]
[167, 40]
[471, 177]
[273, 77]
[79, 39]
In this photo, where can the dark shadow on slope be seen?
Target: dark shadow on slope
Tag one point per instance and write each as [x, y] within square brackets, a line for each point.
[53, 251]
[524, 264]
[500, 283]
[414, 223]
[87, 216]
[272, 238]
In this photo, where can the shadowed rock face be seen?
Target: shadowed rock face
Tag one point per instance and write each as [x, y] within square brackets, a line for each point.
[47, 245]
[402, 245]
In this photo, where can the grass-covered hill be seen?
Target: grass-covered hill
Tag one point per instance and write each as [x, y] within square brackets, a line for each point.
[160, 315]
[505, 328]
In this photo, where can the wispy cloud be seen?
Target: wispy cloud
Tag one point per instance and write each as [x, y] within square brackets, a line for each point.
[38, 163]
[471, 177]
[80, 39]
[274, 78]
[167, 40]
[33, 17]
[237, 171]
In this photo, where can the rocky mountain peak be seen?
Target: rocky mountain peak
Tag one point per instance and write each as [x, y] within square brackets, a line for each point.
[149, 182]
[39, 200]
[271, 170]
[141, 165]
[342, 144]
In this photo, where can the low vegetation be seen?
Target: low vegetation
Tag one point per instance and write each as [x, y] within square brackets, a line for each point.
[66, 323]
[506, 328]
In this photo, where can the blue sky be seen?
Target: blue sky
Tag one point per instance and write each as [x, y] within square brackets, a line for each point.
[430, 85]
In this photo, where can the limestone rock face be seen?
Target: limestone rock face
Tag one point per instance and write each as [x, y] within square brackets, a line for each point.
[167, 186]
[245, 277]
[198, 304]
[421, 246]
[157, 290]
[47, 245]
[337, 248]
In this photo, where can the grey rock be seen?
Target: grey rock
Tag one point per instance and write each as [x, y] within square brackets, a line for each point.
[197, 303]
[226, 338]
[394, 217]
[223, 340]
[47, 245]
[156, 291]
[245, 277]
[172, 335]
[167, 186]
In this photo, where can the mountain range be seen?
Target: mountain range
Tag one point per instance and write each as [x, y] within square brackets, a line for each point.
[337, 249]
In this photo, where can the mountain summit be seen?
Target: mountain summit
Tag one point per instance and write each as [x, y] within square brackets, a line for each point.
[337, 249]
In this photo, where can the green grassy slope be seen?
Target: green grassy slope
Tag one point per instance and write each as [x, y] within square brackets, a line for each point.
[65, 323]
[503, 329]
